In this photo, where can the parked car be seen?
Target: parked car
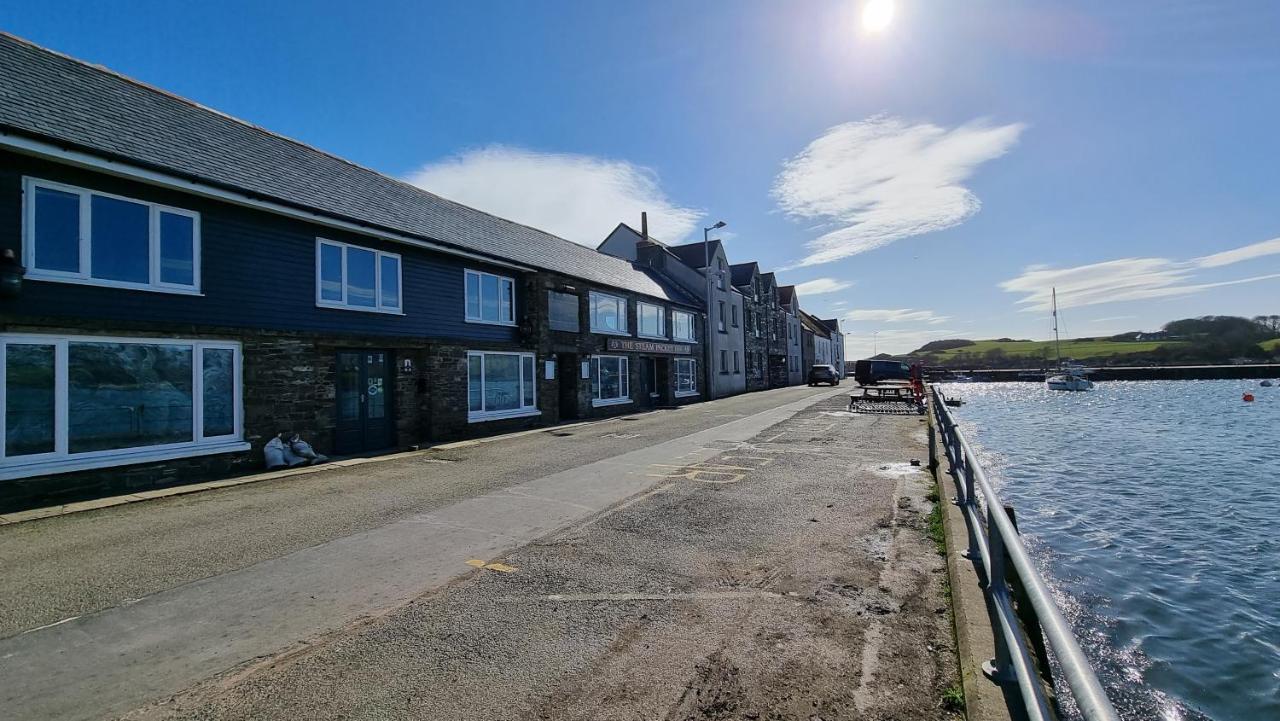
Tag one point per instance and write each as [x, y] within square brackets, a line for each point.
[871, 372]
[823, 374]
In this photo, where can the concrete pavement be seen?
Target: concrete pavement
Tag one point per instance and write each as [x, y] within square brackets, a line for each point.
[271, 586]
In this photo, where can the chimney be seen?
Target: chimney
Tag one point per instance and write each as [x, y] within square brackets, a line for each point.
[644, 225]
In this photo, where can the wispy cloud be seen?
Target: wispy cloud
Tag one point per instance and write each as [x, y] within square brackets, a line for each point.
[1130, 278]
[817, 286]
[897, 315]
[870, 183]
[579, 197]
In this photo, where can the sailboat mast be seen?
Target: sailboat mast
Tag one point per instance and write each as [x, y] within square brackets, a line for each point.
[1057, 344]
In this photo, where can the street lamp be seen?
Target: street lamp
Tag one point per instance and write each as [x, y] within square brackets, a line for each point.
[706, 268]
[875, 349]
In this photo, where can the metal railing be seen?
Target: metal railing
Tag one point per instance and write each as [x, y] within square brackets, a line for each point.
[991, 545]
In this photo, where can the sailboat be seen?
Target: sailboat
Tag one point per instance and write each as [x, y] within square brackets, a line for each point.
[1070, 377]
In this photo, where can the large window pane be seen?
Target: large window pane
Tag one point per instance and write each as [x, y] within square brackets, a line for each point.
[390, 272]
[177, 249]
[29, 399]
[475, 386]
[610, 378]
[128, 395]
[506, 300]
[362, 277]
[489, 297]
[121, 240]
[563, 310]
[473, 296]
[57, 228]
[501, 382]
[331, 272]
[219, 392]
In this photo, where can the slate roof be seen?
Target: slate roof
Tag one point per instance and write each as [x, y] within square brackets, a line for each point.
[50, 96]
[786, 294]
[692, 254]
[740, 273]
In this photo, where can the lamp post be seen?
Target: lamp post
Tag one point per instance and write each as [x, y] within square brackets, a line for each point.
[706, 268]
[875, 349]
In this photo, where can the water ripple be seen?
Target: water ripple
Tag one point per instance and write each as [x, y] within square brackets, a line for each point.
[1151, 508]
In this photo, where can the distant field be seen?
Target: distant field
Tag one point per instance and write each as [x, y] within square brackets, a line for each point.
[1272, 345]
[1080, 349]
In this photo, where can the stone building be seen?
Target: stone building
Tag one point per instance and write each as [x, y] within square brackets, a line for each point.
[789, 302]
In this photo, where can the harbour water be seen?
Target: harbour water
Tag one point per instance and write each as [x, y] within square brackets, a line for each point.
[1154, 510]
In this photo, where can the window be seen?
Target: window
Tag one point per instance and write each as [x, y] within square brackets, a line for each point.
[75, 235]
[737, 367]
[720, 274]
[686, 377]
[724, 361]
[490, 298]
[734, 311]
[682, 325]
[720, 317]
[356, 278]
[500, 385]
[608, 314]
[610, 380]
[651, 320]
[76, 402]
[563, 311]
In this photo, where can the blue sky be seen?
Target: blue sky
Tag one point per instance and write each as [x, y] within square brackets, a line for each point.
[940, 174]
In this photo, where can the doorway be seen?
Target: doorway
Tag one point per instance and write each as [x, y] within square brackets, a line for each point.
[363, 420]
[567, 378]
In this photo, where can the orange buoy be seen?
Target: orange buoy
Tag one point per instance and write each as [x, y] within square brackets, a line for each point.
[1248, 398]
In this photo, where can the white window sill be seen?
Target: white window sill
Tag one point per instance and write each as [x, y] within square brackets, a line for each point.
[685, 340]
[477, 321]
[360, 309]
[473, 417]
[602, 402]
[653, 337]
[601, 331]
[685, 394]
[100, 283]
[14, 468]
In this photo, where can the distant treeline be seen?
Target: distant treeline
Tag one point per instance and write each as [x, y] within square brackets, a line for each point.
[1211, 339]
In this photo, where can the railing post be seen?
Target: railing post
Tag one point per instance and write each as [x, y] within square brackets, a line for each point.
[999, 669]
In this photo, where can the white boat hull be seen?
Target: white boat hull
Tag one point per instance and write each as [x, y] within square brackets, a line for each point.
[1068, 383]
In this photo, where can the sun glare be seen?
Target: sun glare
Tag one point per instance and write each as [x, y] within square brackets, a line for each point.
[876, 15]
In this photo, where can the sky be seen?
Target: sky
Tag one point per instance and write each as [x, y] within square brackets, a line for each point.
[932, 178]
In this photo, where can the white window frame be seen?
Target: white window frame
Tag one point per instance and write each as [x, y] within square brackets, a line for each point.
[322, 302]
[692, 374]
[60, 460]
[521, 412]
[720, 322]
[480, 275]
[622, 314]
[693, 330]
[662, 320]
[624, 372]
[84, 276]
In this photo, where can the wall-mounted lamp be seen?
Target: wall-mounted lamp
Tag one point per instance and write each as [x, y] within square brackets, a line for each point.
[10, 274]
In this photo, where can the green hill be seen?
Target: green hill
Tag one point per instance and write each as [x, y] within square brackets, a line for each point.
[1271, 346]
[1081, 349]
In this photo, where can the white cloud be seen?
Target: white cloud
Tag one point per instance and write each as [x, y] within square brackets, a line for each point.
[818, 286]
[578, 197]
[1248, 252]
[897, 315]
[1130, 278]
[870, 183]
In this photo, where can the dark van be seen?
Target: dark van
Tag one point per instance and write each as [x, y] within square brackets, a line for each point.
[871, 372]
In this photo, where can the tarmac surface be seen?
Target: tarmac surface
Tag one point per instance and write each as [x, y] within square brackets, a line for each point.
[759, 557]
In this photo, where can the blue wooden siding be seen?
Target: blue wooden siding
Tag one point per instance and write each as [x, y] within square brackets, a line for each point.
[258, 271]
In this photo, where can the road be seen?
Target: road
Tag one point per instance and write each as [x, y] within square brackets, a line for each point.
[760, 552]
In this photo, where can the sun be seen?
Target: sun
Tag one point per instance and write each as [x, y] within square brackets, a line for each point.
[876, 15]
